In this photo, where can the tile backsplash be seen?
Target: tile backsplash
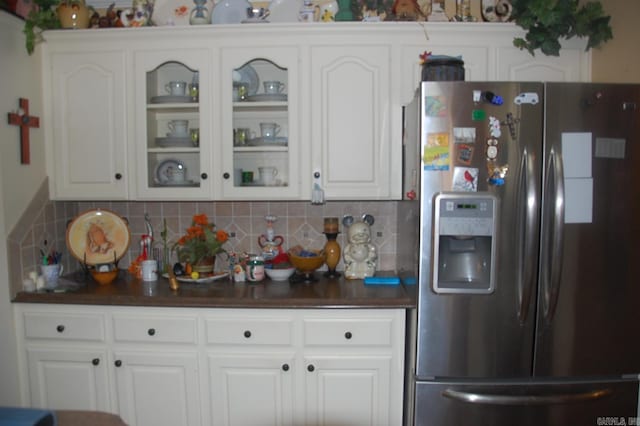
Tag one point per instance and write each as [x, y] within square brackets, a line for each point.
[43, 226]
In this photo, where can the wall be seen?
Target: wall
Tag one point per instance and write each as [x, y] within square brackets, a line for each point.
[18, 183]
[617, 60]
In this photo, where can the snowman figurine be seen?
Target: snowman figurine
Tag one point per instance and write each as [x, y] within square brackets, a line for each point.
[360, 254]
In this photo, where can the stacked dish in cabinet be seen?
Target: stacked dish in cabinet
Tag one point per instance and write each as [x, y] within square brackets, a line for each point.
[260, 124]
[173, 122]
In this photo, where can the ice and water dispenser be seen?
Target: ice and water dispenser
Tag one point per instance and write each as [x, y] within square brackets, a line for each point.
[464, 244]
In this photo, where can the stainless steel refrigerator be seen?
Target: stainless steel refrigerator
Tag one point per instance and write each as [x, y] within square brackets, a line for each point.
[521, 228]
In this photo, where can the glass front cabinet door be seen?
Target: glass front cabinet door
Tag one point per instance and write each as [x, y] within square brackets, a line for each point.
[260, 134]
[173, 139]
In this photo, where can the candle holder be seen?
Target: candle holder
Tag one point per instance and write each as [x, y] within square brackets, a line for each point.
[331, 248]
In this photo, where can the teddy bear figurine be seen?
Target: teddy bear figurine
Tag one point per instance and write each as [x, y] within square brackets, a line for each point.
[360, 254]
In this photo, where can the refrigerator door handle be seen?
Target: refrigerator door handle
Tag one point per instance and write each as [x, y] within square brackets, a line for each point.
[526, 235]
[496, 399]
[551, 265]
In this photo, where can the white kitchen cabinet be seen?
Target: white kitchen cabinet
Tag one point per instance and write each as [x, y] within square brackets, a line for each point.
[255, 388]
[340, 116]
[172, 164]
[351, 138]
[182, 366]
[271, 161]
[66, 378]
[86, 96]
[157, 387]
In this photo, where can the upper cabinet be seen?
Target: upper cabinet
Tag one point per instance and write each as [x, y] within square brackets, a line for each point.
[260, 136]
[87, 128]
[351, 128]
[255, 112]
[172, 126]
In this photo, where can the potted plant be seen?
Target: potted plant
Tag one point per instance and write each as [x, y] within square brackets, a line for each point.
[548, 21]
[54, 14]
[200, 245]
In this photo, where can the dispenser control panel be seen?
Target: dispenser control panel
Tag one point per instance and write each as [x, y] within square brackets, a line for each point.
[464, 242]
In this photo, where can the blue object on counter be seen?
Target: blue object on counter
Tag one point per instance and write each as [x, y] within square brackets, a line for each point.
[381, 280]
[10, 416]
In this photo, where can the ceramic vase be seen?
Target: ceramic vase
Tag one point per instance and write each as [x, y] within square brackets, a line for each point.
[332, 253]
[204, 265]
[74, 15]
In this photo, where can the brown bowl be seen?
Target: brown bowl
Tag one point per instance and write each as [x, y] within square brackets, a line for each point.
[104, 278]
[307, 264]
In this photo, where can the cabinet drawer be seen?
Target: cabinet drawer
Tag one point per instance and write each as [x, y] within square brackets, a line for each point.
[348, 332]
[154, 329]
[64, 326]
[268, 331]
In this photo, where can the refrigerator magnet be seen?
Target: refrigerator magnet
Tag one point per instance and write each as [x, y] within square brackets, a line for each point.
[436, 152]
[464, 153]
[465, 179]
[494, 127]
[435, 106]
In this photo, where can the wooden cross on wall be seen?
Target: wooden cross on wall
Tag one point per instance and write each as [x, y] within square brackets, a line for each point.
[24, 121]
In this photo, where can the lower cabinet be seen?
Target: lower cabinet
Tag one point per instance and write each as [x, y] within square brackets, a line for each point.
[231, 367]
[68, 379]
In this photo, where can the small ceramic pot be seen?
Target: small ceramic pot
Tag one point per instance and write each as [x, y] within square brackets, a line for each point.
[74, 15]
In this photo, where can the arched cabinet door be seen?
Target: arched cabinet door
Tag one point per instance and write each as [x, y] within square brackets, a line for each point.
[88, 156]
[173, 140]
[260, 132]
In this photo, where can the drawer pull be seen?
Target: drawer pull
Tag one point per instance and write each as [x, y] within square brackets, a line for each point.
[247, 334]
[348, 335]
[285, 367]
[151, 331]
[60, 328]
[118, 363]
[95, 361]
[310, 368]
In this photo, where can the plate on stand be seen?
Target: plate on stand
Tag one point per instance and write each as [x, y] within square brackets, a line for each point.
[248, 76]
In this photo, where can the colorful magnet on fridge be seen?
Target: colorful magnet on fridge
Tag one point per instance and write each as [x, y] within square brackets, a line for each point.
[464, 153]
[465, 179]
[497, 174]
[494, 127]
[492, 98]
[478, 115]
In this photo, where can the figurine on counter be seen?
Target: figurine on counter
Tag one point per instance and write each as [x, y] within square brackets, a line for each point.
[360, 254]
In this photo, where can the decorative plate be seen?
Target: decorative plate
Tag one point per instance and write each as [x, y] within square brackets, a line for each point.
[216, 276]
[249, 76]
[98, 236]
[167, 169]
[230, 12]
[171, 12]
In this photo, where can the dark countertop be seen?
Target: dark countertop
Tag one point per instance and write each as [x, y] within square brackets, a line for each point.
[223, 293]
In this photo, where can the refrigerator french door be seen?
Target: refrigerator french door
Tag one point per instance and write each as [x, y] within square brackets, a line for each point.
[554, 336]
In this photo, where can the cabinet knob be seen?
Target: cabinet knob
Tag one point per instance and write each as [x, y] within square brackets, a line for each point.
[151, 331]
[348, 335]
[95, 361]
[285, 367]
[118, 363]
[118, 176]
[316, 175]
[310, 368]
[226, 175]
[60, 328]
[204, 176]
[247, 334]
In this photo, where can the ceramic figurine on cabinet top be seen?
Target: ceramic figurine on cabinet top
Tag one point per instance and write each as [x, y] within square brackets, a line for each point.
[360, 254]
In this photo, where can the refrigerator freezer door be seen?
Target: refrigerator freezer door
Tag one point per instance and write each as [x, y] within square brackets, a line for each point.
[589, 292]
[524, 404]
[483, 335]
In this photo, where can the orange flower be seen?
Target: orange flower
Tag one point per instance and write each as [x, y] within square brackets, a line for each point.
[222, 236]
